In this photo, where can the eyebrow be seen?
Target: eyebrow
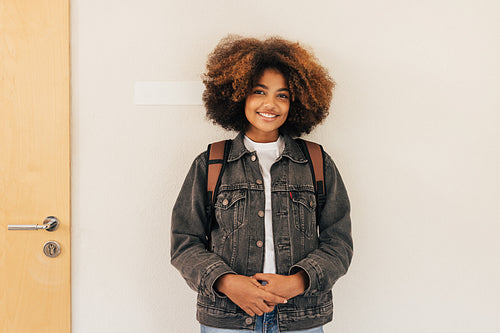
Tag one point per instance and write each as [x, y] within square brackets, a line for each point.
[265, 87]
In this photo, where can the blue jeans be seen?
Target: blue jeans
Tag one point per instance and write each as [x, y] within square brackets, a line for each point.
[267, 323]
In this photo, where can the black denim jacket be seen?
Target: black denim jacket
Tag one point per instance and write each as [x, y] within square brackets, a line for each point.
[323, 249]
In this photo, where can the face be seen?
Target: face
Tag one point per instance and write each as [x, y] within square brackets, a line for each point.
[266, 107]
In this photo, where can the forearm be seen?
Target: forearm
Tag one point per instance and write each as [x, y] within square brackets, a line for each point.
[323, 267]
[327, 263]
[199, 267]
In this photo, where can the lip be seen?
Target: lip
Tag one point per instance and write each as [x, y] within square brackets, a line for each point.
[275, 116]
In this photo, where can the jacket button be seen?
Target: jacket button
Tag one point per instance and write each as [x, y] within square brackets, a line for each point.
[260, 244]
[260, 213]
[248, 321]
[259, 181]
[253, 158]
[225, 202]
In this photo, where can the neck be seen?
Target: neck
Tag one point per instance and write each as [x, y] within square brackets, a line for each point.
[263, 137]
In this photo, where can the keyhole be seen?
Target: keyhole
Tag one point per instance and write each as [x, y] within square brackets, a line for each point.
[51, 249]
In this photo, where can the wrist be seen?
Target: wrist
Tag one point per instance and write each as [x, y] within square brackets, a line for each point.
[302, 281]
[221, 283]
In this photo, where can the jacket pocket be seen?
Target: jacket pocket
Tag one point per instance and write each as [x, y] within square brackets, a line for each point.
[304, 212]
[230, 210]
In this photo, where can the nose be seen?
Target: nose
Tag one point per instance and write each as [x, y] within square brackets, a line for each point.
[269, 103]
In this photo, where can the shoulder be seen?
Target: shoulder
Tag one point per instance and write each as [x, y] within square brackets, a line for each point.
[330, 168]
[200, 162]
[214, 149]
[311, 146]
[201, 158]
[328, 160]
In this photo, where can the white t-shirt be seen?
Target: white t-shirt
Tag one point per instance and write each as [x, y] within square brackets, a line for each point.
[267, 153]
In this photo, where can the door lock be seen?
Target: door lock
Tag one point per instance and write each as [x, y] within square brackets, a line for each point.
[51, 249]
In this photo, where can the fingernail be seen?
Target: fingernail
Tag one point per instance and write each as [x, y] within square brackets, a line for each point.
[285, 301]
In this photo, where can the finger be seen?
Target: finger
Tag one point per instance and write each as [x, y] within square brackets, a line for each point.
[249, 311]
[264, 308]
[257, 310]
[262, 276]
[255, 282]
[272, 298]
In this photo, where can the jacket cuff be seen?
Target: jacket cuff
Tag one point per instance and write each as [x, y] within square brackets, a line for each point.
[314, 273]
[213, 272]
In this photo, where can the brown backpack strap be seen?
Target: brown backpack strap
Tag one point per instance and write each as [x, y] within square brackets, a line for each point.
[217, 157]
[215, 162]
[314, 153]
[316, 156]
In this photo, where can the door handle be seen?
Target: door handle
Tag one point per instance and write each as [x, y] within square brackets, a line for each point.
[50, 224]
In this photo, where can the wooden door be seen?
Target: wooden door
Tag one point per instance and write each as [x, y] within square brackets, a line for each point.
[34, 164]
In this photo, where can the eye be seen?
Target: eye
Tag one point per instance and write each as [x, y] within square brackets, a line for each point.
[284, 96]
[258, 92]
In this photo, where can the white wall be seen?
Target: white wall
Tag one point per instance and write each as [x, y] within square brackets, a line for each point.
[413, 128]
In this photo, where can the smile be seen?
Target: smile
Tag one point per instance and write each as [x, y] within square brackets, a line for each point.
[267, 115]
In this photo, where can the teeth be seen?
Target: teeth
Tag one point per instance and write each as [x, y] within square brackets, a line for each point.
[268, 115]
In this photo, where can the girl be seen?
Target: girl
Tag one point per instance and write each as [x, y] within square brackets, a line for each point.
[267, 260]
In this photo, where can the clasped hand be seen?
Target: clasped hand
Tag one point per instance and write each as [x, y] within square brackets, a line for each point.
[253, 297]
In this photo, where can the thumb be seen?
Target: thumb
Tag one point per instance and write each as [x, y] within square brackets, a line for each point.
[261, 277]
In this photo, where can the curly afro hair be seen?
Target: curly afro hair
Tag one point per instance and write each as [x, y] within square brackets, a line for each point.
[237, 63]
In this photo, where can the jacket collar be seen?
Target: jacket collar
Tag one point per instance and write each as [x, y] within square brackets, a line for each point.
[292, 149]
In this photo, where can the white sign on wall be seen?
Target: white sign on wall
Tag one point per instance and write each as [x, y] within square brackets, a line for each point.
[168, 92]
